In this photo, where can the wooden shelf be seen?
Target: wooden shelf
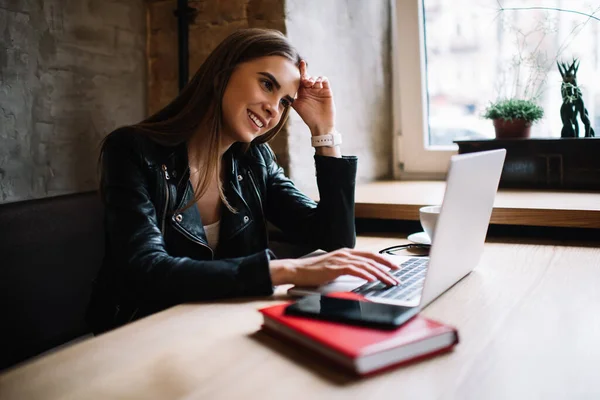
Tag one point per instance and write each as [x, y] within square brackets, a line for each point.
[401, 200]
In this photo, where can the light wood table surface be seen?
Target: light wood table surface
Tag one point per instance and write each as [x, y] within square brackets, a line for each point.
[401, 200]
[528, 319]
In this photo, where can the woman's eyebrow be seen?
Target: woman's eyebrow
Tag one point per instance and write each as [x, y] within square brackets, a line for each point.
[277, 85]
[271, 77]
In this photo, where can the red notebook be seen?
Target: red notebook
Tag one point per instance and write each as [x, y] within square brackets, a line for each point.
[361, 349]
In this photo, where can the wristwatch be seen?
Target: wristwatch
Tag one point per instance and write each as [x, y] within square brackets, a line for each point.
[329, 140]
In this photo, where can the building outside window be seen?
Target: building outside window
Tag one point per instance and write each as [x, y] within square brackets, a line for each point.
[453, 57]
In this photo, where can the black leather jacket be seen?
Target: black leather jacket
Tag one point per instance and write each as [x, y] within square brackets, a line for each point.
[158, 256]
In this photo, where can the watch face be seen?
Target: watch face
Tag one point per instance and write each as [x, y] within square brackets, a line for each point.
[337, 139]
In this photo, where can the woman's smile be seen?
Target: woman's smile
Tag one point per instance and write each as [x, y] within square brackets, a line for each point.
[256, 122]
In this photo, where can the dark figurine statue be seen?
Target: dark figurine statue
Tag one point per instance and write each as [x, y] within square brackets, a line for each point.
[572, 103]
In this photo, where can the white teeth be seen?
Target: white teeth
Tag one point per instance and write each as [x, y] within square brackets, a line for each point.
[255, 119]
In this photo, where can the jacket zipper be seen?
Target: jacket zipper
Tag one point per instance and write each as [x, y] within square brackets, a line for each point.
[262, 213]
[257, 193]
[164, 217]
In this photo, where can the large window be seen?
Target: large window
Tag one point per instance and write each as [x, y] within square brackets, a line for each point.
[453, 57]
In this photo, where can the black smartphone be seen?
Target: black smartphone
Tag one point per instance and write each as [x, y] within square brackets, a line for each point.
[356, 312]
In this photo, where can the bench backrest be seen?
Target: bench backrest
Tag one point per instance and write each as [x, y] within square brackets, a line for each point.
[50, 252]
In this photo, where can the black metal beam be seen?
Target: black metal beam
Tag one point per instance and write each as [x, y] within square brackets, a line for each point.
[184, 16]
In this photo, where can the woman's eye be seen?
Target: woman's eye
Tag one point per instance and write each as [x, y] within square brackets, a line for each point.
[267, 85]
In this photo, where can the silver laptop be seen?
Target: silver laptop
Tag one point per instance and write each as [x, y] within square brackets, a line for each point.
[471, 186]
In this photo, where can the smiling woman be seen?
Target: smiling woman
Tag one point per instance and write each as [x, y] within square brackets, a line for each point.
[188, 192]
[259, 92]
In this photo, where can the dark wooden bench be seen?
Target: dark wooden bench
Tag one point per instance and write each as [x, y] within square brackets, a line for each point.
[50, 252]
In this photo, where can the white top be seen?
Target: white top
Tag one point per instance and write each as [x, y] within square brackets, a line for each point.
[212, 234]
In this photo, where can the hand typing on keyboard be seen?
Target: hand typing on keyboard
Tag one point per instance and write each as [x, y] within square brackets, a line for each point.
[318, 270]
[411, 276]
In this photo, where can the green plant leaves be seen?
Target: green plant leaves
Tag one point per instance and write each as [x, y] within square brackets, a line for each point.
[510, 109]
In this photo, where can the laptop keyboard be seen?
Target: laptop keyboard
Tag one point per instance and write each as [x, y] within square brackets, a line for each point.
[411, 276]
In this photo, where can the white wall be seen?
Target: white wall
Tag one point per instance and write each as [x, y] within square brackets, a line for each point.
[349, 42]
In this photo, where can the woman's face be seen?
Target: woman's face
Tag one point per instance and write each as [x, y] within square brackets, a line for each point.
[256, 96]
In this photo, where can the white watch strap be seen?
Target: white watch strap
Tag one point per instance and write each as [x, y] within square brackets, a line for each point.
[329, 140]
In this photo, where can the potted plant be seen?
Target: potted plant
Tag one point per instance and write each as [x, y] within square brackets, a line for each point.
[513, 117]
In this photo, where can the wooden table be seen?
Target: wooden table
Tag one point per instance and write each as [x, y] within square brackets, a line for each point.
[528, 318]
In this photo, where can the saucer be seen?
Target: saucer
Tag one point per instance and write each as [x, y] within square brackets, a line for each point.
[419, 237]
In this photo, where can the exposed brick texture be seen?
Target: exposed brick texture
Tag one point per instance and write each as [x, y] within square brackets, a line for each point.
[215, 20]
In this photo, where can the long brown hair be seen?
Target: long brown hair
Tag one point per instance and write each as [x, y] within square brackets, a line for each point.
[200, 102]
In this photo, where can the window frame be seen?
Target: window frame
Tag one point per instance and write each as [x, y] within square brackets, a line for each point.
[412, 158]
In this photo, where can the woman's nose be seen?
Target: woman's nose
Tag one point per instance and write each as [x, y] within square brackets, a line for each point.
[271, 110]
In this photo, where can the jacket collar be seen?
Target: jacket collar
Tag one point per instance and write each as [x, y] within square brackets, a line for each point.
[232, 223]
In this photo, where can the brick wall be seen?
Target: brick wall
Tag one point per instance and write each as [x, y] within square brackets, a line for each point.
[214, 21]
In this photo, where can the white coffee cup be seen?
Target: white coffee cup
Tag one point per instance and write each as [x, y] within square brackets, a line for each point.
[428, 216]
